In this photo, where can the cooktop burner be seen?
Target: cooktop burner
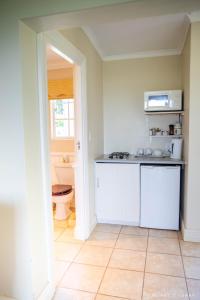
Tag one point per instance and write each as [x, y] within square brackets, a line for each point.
[119, 155]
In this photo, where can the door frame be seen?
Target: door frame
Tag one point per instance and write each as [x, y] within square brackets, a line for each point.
[82, 229]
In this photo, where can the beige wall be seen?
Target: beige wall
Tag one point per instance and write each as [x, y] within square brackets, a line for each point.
[192, 220]
[186, 90]
[62, 145]
[94, 102]
[124, 83]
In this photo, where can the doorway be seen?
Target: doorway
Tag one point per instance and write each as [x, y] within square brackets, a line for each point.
[61, 103]
[67, 50]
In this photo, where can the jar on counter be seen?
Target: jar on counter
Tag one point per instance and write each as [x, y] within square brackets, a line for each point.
[177, 129]
[171, 129]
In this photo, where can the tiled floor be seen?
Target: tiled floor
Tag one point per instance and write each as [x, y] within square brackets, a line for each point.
[123, 262]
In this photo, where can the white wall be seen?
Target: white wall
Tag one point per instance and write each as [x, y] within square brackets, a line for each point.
[16, 236]
[34, 183]
[124, 83]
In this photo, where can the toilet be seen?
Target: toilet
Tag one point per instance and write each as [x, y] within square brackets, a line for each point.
[62, 195]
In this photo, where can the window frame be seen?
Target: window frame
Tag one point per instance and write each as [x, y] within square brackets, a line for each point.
[53, 120]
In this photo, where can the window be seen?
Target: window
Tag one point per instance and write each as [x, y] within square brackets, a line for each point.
[62, 119]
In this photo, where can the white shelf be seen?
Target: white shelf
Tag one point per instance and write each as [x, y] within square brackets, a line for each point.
[166, 136]
[164, 113]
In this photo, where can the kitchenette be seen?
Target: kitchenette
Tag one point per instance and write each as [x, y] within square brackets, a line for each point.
[143, 188]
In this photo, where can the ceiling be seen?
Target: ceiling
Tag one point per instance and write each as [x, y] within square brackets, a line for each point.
[152, 36]
[139, 28]
[55, 61]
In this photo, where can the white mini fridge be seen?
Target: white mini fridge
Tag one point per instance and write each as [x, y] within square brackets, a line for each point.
[160, 196]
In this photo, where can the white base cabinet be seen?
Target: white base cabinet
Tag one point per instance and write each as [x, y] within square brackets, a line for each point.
[118, 193]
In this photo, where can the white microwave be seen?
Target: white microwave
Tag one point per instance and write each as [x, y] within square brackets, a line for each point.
[163, 100]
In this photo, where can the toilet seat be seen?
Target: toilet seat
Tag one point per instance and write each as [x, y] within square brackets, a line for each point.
[61, 189]
[62, 196]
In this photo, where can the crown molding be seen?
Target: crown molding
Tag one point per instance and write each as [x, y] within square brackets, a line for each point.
[93, 40]
[144, 54]
[133, 55]
[194, 16]
[187, 20]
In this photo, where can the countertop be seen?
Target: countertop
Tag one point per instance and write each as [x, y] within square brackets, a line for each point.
[140, 160]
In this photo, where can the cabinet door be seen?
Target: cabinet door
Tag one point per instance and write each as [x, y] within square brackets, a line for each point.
[118, 193]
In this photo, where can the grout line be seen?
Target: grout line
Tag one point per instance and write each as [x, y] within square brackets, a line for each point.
[59, 235]
[107, 264]
[145, 265]
[113, 248]
[113, 296]
[71, 262]
[184, 269]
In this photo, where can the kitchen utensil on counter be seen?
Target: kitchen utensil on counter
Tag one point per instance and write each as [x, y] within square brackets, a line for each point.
[171, 129]
[157, 153]
[140, 151]
[177, 129]
[148, 151]
[176, 148]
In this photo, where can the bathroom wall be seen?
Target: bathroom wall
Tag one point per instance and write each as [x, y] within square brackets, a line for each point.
[124, 83]
[60, 81]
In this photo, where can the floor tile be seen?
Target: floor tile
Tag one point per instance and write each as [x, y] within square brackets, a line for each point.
[108, 228]
[59, 269]
[190, 249]
[104, 239]
[94, 255]
[194, 289]
[65, 294]
[57, 232]
[163, 245]
[104, 297]
[157, 287]
[128, 259]
[60, 223]
[122, 283]
[192, 267]
[160, 233]
[83, 277]
[68, 236]
[180, 237]
[166, 264]
[132, 242]
[134, 230]
[66, 251]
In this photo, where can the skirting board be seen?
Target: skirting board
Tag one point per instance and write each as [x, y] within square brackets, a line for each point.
[47, 293]
[6, 298]
[79, 234]
[189, 235]
[118, 222]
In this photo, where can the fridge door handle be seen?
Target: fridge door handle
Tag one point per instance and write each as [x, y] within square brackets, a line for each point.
[148, 167]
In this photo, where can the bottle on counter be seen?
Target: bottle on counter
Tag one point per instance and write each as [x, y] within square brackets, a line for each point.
[171, 129]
